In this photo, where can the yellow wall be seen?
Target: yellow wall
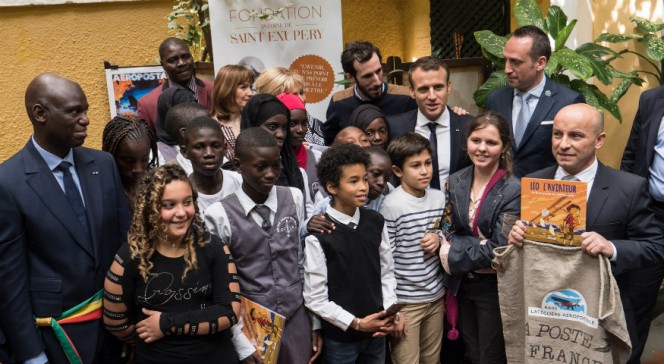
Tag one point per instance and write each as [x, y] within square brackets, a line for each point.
[72, 40]
[377, 21]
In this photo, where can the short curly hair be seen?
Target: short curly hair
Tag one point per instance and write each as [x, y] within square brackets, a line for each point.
[335, 158]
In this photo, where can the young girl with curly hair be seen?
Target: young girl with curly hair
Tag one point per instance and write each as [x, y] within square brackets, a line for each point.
[172, 290]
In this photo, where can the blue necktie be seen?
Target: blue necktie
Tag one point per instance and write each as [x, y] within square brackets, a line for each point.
[74, 196]
[433, 139]
[522, 119]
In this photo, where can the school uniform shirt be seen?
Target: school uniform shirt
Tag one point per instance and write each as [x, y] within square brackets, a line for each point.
[232, 183]
[183, 162]
[322, 202]
[315, 284]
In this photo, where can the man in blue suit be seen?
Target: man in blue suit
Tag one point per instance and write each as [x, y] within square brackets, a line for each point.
[526, 55]
[644, 156]
[64, 215]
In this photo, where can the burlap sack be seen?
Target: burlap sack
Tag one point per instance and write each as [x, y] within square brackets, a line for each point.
[559, 305]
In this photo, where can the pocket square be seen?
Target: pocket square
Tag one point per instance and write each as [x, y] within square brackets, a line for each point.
[547, 122]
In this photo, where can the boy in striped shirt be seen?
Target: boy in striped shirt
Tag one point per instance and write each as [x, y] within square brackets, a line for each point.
[412, 215]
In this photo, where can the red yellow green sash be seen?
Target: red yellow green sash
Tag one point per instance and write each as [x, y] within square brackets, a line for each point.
[87, 310]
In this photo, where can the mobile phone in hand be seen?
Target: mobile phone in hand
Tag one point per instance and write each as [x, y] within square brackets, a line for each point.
[394, 309]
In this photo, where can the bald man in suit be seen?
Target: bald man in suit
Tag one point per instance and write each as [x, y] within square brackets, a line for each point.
[64, 215]
[620, 224]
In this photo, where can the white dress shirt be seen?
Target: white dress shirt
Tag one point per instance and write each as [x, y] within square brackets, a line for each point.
[442, 137]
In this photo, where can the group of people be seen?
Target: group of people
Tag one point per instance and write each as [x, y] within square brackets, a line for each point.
[361, 230]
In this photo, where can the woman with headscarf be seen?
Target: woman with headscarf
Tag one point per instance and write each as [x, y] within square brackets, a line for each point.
[279, 80]
[371, 120]
[307, 158]
[267, 112]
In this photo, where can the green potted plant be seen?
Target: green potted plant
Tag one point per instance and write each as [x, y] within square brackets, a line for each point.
[190, 21]
[586, 61]
[647, 34]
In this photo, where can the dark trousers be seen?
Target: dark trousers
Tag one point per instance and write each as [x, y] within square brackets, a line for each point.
[644, 286]
[479, 319]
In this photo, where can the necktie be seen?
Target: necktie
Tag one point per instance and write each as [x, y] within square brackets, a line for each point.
[264, 212]
[570, 177]
[433, 139]
[73, 195]
[352, 225]
[522, 119]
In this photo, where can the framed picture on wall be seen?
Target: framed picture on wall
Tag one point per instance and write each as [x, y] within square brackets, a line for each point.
[126, 85]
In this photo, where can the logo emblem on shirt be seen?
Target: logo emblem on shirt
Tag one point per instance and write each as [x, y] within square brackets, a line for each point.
[287, 225]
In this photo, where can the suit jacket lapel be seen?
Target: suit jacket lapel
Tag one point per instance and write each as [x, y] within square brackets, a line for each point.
[461, 197]
[412, 121]
[45, 186]
[544, 105]
[598, 195]
[489, 206]
[456, 141]
[655, 115]
[88, 174]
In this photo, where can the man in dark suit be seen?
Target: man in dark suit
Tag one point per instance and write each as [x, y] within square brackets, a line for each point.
[429, 79]
[620, 224]
[64, 215]
[644, 156]
[526, 55]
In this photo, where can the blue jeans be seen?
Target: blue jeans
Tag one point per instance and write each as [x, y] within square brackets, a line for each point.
[369, 351]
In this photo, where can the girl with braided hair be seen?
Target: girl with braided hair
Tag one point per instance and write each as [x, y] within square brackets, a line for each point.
[133, 145]
[172, 290]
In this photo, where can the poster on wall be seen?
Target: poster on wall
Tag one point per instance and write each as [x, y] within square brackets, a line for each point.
[126, 85]
[304, 36]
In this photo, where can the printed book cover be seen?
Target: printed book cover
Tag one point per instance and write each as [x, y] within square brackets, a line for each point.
[264, 328]
[553, 211]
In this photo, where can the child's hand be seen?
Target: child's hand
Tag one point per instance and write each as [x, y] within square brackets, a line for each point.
[319, 224]
[400, 327]
[430, 243]
[377, 323]
[148, 329]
